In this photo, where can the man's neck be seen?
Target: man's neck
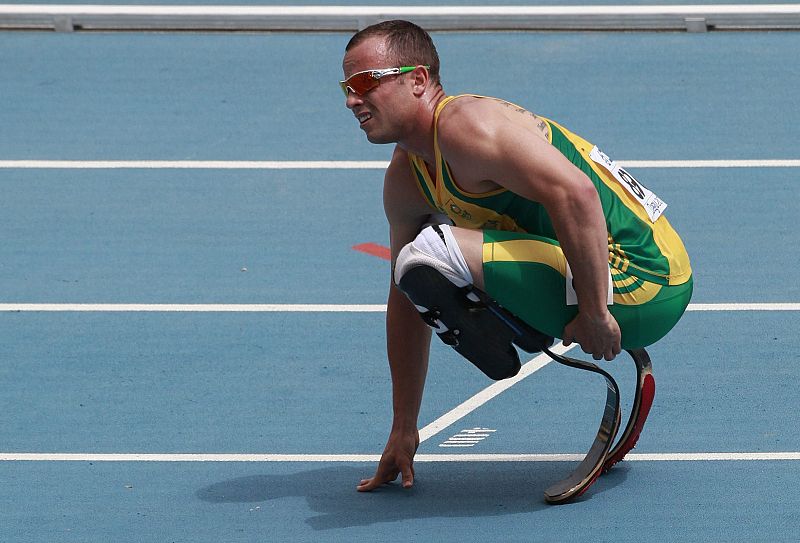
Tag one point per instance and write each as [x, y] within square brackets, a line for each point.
[420, 140]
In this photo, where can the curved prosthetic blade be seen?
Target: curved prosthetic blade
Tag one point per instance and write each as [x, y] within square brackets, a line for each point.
[591, 466]
[642, 401]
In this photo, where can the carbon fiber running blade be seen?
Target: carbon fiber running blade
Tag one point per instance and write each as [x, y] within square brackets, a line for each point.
[642, 401]
[591, 466]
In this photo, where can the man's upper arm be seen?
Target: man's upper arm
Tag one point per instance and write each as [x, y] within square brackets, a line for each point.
[405, 208]
[481, 141]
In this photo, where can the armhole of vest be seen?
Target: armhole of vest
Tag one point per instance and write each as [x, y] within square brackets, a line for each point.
[412, 162]
[549, 124]
[438, 111]
[440, 162]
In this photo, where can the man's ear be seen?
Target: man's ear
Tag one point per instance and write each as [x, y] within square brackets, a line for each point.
[421, 80]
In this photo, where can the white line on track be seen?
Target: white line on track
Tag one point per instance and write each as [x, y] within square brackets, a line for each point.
[745, 307]
[344, 164]
[487, 394]
[324, 458]
[195, 164]
[197, 308]
[305, 308]
[710, 163]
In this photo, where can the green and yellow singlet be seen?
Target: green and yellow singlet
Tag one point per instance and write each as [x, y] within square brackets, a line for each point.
[645, 254]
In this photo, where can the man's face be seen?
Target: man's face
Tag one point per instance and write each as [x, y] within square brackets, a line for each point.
[379, 111]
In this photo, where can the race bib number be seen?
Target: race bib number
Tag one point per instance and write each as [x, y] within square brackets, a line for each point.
[652, 204]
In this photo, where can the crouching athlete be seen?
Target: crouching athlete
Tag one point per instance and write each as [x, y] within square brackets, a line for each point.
[541, 227]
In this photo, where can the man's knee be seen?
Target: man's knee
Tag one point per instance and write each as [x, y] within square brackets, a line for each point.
[433, 275]
[436, 247]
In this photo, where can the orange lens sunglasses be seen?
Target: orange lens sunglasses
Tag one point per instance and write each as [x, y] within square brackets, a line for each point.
[362, 82]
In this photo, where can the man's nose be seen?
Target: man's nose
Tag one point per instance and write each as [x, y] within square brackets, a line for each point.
[352, 99]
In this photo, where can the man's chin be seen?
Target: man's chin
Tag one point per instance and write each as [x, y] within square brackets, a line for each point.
[379, 138]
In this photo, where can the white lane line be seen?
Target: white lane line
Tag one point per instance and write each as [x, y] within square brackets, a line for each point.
[325, 458]
[745, 307]
[487, 394]
[791, 163]
[195, 164]
[308, 308]
[198, 308]
[343, 164]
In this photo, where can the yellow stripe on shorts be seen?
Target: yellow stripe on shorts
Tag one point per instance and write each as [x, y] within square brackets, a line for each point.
[526, 250]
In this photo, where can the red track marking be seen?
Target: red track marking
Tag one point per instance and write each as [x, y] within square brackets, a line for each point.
[374, 249]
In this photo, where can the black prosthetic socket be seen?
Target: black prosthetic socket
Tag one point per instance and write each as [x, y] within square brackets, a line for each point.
[476, 326]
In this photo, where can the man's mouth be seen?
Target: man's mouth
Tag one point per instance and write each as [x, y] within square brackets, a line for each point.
[363, 117]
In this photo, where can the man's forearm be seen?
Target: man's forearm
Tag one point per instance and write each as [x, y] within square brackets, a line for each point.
[585, 246]
[408, 346]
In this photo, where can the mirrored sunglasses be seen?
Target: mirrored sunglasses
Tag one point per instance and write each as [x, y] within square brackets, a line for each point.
[362, 82]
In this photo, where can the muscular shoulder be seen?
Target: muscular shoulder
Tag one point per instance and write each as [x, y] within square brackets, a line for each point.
[467, 118]
[489, 143]
[472, 125]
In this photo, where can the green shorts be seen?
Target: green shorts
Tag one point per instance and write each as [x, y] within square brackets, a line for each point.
[526, 274]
